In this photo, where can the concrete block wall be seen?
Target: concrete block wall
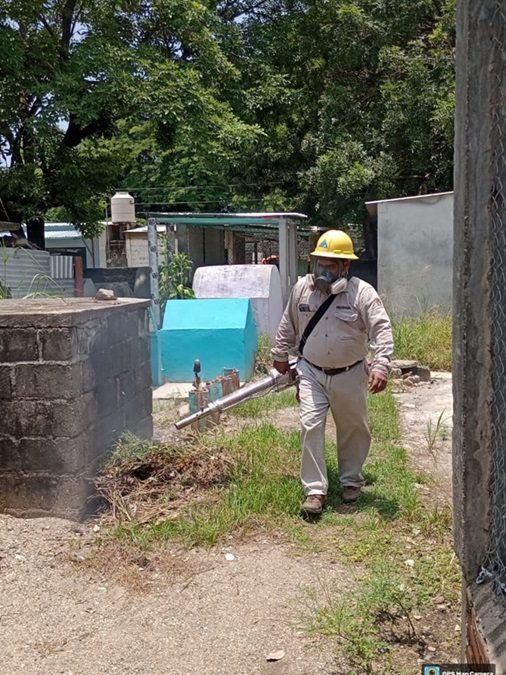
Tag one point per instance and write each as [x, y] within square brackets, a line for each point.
[74, 375]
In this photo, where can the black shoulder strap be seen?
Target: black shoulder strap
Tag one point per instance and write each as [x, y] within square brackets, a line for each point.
[314, 320]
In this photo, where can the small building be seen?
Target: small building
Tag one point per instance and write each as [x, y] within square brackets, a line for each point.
[415, 252]
[65, 239]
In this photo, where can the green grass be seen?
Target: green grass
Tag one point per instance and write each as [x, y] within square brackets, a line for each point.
[353, 617]
[388, 526]
[263, 357]
[427, 339]
[256, 406]
[263, 490]
[387, 517]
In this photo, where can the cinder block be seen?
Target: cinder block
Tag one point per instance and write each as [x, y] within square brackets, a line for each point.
[115, 328]
[6, 382]
[8, 415]
[18, 344]
[106, 432]
[106, 397]
[74, 453]
[58, 456]
[60, 405]
[25, 418]
[9, 453]
[86, 337]
[48, 381]
[119, 358]
[145, 428]
[142, 376]
[88, 376]
[42, 494]
[129, 326]
[69, 418]
[59, 344]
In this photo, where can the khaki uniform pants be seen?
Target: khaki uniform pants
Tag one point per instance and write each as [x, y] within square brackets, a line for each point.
[346, 395]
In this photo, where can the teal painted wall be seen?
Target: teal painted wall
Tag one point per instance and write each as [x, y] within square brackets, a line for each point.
[219, 332]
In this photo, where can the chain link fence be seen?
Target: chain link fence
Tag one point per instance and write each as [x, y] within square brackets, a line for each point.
[494, 567]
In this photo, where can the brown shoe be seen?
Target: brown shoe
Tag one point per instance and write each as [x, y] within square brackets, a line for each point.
[351, 493]
[313, 504]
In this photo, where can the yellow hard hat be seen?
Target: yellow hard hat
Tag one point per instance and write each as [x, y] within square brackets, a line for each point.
[335, 244]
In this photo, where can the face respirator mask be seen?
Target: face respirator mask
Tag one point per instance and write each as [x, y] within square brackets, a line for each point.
[328, 283]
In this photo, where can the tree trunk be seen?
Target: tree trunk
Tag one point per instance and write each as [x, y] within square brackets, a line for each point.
[35, 232]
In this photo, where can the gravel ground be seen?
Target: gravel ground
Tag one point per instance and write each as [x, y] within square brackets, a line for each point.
[211, 616]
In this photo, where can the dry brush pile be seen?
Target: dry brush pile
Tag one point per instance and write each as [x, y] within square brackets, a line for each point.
[145, 481]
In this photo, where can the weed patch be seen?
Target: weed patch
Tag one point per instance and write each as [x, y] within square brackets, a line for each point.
[427, 338]
[143, 481]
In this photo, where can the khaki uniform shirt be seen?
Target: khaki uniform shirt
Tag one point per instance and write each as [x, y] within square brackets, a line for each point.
[342, 335]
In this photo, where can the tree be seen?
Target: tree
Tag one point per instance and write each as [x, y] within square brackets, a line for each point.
[355, 99]
[223, 104]
[81, 79]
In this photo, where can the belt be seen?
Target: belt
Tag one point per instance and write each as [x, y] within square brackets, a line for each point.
[334, 371]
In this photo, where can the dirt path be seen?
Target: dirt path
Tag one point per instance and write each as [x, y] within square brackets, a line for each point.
[198, 613]
[210, 615]
[426, 423]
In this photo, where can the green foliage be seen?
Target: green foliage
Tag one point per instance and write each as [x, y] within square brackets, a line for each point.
[95, 91]
[174, 276]
[263, 357]
[312, 105]
[355, 101]
[427, 339]
[354, 618]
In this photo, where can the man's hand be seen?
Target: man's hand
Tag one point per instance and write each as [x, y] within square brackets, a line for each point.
[377, 381]
[281, 366]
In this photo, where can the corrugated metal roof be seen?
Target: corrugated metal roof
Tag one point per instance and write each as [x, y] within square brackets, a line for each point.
[61, 231]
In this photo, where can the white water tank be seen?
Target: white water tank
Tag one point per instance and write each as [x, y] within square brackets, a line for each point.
[122, 207]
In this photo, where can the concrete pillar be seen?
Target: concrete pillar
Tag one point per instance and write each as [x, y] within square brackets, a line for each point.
[479, 368]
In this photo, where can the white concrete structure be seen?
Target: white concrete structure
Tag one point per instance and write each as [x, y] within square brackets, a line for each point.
[202, 237]
[415, 252]
[137, 251]
[260, 283]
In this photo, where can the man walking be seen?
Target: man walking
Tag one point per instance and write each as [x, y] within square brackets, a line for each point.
[332, 319]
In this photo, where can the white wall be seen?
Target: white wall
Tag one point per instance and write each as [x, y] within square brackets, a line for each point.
[415, 253]
[137, 250]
